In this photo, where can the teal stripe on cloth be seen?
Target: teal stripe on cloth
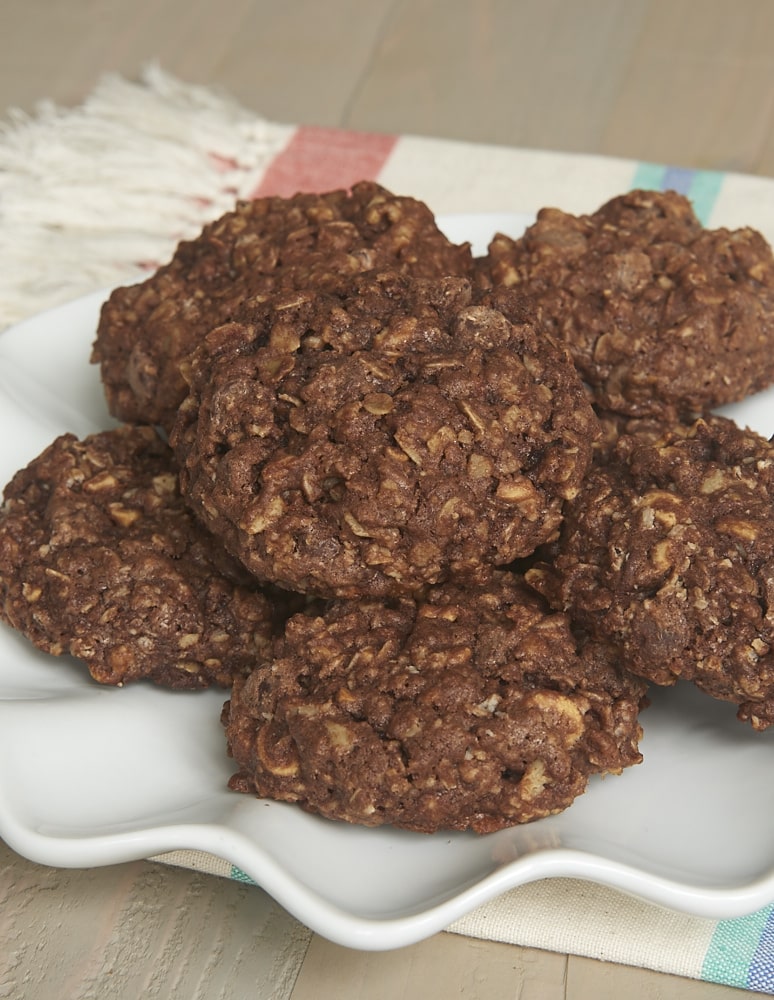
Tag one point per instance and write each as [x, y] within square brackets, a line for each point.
[649, 176]
[701, 186]
[704, 190]
[240, 876]
[733, 947]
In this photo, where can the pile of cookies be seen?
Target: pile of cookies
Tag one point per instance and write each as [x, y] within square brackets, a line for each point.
[435, 521]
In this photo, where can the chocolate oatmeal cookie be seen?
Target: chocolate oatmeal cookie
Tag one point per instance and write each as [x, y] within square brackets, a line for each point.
[472, 709]
[306, 241]
[101, 558]
[614, 427]
[668, 552]
[375, 442]
[660, 314]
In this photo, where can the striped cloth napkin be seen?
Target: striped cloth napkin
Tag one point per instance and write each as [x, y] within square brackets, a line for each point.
[99, 194]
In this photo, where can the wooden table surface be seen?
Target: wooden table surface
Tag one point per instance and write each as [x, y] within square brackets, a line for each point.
[689, 82]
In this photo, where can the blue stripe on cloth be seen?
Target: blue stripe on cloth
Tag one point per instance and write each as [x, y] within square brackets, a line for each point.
[733, 948]
[678, 179]
[701, 186]
[760, 975]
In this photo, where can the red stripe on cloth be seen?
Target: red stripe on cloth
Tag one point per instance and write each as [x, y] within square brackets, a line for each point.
[324, 159]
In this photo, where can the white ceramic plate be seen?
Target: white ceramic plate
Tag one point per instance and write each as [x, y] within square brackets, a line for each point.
[92, 775]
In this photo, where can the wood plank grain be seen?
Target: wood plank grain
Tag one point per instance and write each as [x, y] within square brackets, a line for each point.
[299, 61]
[441, 966]
[591, 980]
[303, 61]
[527, 74]
[698, 90]
[141, 930]
[59, 51]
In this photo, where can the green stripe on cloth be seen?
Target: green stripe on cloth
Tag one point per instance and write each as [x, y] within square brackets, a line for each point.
[649, 176]
[240, 876]
[732, 948]
[704, 190]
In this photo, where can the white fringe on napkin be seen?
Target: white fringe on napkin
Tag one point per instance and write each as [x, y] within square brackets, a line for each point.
[91, 196]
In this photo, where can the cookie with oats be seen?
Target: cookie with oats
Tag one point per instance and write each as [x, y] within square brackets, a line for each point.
[634, 430]
[379, 441]
[470, 709]
[304, 241]
[661, 315]
[668, 552]
[101, 558]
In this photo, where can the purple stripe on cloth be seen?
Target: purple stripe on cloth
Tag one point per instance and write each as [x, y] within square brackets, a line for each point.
[677, 179]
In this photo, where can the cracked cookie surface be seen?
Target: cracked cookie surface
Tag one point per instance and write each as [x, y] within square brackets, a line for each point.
[101, 558]
[471, 709]
[661, 315]
[381, 440]
[268, 244]
[668, 551]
